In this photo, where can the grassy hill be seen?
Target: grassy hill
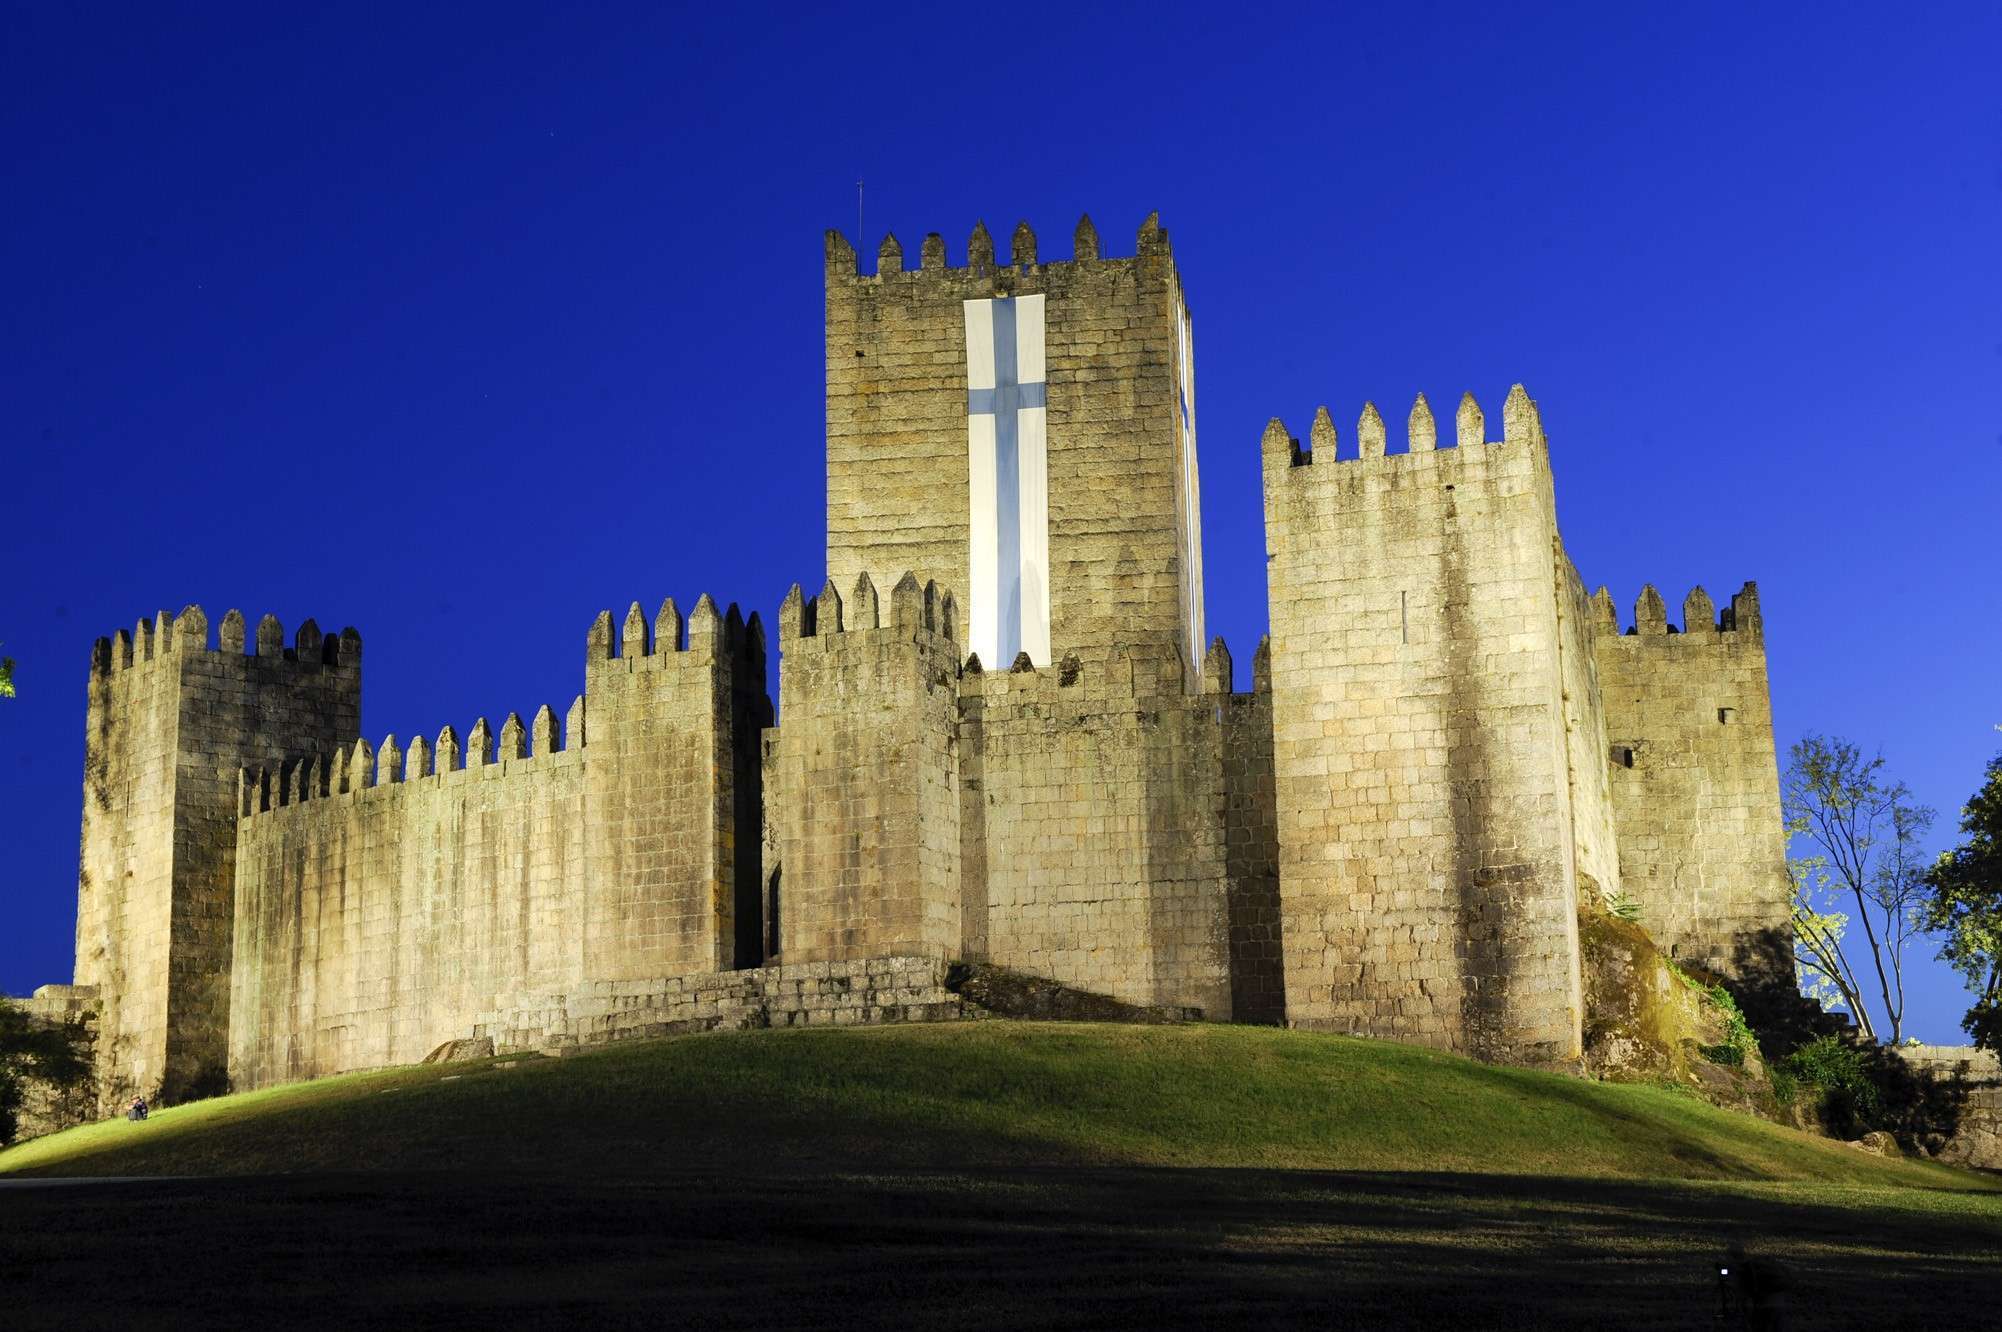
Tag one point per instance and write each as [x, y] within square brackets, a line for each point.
[973, 1094]
[987, 1174]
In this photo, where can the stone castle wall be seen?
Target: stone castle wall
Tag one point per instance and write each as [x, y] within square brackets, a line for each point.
[1427, 866]
[46, 1108]
[1444, 743]
[1073, 821]
[1251, 843]
[1977, 1139]
[385, 898]
[1695, 779]
[1099, 828]
[864, 790]
[171, 722]
[1594, 834]
[897, 488]
[810, 994]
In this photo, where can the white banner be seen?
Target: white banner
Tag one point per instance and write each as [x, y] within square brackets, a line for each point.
[1007, 468]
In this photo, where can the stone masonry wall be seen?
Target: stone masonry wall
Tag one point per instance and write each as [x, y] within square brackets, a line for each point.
[1427, 876]
[816, 994]
[171, 722]
[865, 781]
[386, 899]
[1099, 836]
[1695, 779]
[1251, 849]
[661, 806]
[897, 489]
[46, 1108]
[1977, 1140]
[377, 914]
[1594, 838]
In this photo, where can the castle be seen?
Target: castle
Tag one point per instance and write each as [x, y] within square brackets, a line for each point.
[1001, 735]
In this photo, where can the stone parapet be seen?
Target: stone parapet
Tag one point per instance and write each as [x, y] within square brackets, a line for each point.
[812, 994]
[1977, 1139]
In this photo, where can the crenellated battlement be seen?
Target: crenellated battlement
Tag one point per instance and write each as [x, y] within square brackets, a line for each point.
[922, 612]
[844, 264]
[1700, 615]
[164, 637]
[1522, 424]
[361, 768]
[705, 634]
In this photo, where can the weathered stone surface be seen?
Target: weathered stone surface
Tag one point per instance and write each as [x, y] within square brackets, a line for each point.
[897, 489]
[1445, 748]
[1427, 862]
[1016, 994]
[820, 994]
[1695, 780]
[1877, 1143]
[1977, 1137]
[167, 737]
[1644, 1023]
[462, 1050]
[370, 921]
[46, 1108]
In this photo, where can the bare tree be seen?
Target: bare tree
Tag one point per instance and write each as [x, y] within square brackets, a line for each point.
[1863, 866]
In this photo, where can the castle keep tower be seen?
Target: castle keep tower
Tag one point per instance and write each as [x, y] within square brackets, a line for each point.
[1024, 433]
[172, 720]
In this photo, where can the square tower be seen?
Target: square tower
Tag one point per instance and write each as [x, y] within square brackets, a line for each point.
[1023, 434]
[173, 719]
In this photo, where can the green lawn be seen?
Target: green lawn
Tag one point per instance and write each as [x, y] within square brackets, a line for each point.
[994, 1093]
[978, 1175]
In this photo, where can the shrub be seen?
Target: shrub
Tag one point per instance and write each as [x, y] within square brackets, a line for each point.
[1841, 1072]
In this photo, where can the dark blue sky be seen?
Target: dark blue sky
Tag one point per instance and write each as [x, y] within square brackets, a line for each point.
[459, 328]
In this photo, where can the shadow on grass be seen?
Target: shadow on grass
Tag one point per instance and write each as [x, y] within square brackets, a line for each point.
[1002, 1248]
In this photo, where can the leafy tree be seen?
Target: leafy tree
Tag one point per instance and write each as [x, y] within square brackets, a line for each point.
[1817, 947]
[57, 1053]
[1965, 905]
[6, 677]
[1864, 869]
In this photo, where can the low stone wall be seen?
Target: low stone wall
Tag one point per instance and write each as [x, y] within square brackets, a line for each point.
[1979, 1139]
[47, 1109]
[807, 994]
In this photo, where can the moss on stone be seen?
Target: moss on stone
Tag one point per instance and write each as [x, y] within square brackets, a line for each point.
[1648, 1020]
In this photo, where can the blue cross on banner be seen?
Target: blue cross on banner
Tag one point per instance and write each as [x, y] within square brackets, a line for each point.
[1007, 475]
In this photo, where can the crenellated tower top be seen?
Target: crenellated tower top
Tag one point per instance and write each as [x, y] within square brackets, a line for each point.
[1023, 428]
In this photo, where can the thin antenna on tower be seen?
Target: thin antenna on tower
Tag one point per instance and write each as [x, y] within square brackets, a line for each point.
[861, 235]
